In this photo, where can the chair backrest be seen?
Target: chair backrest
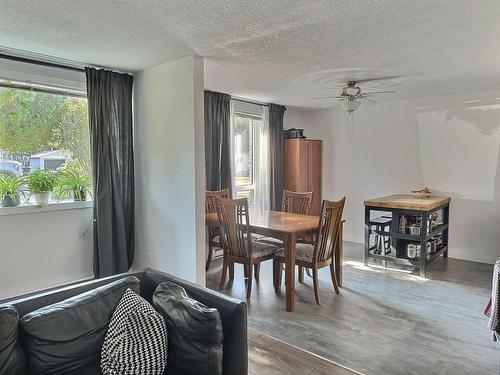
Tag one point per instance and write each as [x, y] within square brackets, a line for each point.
[234, 226]
[329, 226]
[210, 196]
[297, 203]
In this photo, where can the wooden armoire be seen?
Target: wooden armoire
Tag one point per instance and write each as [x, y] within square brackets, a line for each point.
[302, 168]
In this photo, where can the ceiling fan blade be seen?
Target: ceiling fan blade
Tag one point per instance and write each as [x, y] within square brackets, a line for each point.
[361, 81]
[378, 92]
[328, 97]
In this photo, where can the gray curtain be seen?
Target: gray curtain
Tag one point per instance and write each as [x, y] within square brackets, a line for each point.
[217, 140]
[109, 97]
[276, 113]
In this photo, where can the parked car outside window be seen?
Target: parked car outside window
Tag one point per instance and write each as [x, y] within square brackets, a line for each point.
[11, 168]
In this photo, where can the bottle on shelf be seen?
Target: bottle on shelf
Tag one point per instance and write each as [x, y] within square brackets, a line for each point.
[402, 224]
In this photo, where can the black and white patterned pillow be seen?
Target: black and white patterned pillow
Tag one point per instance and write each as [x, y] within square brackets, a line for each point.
[136, 341]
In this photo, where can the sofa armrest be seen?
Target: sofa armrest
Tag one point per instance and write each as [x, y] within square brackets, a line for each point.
[233, 315]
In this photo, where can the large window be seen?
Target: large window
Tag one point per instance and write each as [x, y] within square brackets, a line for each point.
[43, 130]
[250, 145]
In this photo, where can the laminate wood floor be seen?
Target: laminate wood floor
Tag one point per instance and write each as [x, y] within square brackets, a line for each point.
[385, 321]
[269, 356]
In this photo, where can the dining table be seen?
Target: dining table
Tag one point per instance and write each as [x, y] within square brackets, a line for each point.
[287, 227]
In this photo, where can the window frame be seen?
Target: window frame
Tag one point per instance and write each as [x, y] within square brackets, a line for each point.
[247, 188]
[30, 206]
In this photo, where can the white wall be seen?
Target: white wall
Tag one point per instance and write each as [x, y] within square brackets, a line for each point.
[449, 143]
[44, 249]
[294, 118]
[170, 169]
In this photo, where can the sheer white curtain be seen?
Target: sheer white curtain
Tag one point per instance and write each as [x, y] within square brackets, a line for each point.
[231, 150]
[262, 163]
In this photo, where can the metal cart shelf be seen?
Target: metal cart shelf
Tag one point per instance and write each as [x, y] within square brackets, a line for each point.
[407, 205]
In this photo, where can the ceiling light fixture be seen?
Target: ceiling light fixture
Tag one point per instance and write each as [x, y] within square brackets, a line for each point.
[350, 105]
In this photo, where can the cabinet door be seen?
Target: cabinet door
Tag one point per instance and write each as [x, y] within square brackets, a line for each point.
[291, 170]
[304, 184]
[302, 169]
[314, 171]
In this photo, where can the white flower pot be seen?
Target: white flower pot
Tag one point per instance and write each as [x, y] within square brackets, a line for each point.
[42, 198]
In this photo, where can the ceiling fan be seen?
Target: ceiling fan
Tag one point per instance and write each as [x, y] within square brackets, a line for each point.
[351, 94]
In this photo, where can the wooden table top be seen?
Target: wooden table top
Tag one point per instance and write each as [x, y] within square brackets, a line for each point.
[407, 202]
[277, 221]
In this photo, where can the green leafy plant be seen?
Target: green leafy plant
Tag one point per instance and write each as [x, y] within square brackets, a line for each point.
[73, 183]
[40, 181]
[10, 188]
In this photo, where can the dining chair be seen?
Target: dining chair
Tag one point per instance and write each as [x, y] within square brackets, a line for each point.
[237, 242]
[322, 253]
[296, 203]
[293, 202]
[213, 232]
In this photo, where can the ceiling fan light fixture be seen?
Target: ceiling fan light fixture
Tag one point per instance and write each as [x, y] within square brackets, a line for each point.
[350, 105]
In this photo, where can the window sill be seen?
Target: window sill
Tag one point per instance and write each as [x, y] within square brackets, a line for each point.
[53, 206]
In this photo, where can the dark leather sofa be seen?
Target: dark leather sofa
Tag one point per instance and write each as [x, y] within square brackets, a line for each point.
[232, 312]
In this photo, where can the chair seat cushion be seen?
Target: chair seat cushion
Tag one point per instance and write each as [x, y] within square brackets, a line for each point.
[262, 249]
[272, 241]
[136, 341]
[303, 252]
[215, 240]
[255, 237]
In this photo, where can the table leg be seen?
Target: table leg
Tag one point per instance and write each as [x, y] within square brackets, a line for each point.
[367, 236]
[446, 212]
[290, 272]
[339, 254]
[423, 244]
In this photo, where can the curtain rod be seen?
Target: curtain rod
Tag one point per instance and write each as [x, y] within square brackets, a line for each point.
[55, 65]
[42, 63]
[53, 89]
[250, 102]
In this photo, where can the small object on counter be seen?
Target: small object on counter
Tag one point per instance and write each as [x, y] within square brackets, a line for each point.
[293, 133]
[432, 222]
[413, 251]
[423, 193]
[431, 246]
[414, 229]
[402, 224]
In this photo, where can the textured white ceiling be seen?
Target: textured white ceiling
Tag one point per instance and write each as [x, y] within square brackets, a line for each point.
[282, 51]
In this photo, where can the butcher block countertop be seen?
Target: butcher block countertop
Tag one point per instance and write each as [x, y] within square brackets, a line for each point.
[407, 202]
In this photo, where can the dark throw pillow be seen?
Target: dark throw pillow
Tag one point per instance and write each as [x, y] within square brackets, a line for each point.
[136, 342]
[11, 354]
[69, 334]
[194, 331]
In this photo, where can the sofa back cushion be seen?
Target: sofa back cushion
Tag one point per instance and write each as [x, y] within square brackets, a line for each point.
[194, 331]
[11, 355]
[69, 334]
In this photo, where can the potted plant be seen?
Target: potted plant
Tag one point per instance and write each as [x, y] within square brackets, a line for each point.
[10, 189]
[41, 183]
[73, 183]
